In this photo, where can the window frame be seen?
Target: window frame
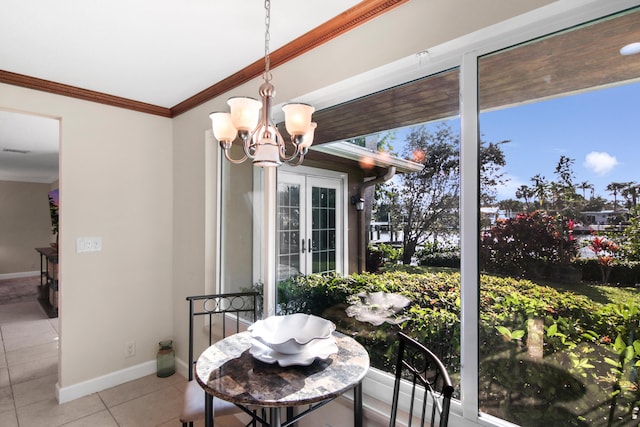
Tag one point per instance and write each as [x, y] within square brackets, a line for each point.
[464, 53]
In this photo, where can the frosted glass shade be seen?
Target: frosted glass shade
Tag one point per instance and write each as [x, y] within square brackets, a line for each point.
[245, 112]
[297, 118]
[307, 139]
[223, 128]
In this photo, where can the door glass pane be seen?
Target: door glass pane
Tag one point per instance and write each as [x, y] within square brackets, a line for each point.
[288, 230]
[558, 344]
[323, 229]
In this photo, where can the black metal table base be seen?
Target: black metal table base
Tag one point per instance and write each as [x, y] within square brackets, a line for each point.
[275, 417]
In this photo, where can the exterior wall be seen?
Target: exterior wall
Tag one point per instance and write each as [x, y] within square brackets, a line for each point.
[25, 224]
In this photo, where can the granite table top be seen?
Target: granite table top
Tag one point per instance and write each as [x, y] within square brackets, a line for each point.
[228, 371]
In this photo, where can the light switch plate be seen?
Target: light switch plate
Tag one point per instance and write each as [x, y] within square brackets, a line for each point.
[88, 244]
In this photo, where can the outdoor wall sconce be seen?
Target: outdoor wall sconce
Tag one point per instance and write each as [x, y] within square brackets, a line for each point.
[358, 202]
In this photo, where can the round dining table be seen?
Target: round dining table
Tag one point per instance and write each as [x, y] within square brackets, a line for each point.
[228, 371]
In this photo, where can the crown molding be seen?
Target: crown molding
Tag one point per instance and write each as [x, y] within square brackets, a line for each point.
[346, 21]
[79, 93]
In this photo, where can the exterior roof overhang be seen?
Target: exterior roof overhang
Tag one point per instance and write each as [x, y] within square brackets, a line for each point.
[366, 157]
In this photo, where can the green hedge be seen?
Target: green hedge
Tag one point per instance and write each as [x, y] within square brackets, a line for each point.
[441, 255]
[623, 273]
[587, 346]
[435, 297]
[433, 314]
[449, 259]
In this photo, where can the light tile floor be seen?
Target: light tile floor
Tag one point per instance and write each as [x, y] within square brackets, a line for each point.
[28, 374]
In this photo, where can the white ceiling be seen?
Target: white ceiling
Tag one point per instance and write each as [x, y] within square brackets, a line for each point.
[39, 137]
[159, 52]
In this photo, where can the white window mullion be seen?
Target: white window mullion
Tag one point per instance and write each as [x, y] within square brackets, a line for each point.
[469, 286]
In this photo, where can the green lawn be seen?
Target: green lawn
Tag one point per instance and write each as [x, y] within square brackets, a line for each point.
[599, 293]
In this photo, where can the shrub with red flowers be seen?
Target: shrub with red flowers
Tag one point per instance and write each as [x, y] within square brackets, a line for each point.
[605, 250]
[526, 245]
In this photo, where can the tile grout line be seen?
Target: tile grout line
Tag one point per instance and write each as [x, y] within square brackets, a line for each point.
[168, 385]
[108, 408]
[3, 326]
[6, 362]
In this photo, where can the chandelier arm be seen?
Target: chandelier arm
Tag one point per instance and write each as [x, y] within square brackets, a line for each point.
[298, 160]
[248, 143]
[226, 150]
[282, 146]
[281, 143]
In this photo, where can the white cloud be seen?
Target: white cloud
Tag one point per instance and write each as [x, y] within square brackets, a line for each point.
[600, 163]
[508, 189]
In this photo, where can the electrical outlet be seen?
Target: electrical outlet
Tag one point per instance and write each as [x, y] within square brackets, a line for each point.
[129, 349]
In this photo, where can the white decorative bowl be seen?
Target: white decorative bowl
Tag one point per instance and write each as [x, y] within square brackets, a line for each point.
[316, 349]
[290, 334]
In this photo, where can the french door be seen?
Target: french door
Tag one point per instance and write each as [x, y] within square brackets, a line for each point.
[310, 224]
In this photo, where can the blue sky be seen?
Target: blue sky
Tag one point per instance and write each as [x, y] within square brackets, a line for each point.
[600, 130]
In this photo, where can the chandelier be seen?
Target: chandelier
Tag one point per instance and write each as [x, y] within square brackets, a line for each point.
[250, 119]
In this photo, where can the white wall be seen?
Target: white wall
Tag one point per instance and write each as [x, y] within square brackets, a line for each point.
[25, 224]
[116, 183]
[193, 193]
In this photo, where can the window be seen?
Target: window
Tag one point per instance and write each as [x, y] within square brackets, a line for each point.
[419, 209]
[557, 347]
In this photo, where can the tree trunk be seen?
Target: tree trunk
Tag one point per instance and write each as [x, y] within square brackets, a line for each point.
[408, 251]
[535, 338]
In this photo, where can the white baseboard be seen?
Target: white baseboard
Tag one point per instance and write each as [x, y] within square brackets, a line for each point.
[17, 275]
[182, 368]
[75, 391]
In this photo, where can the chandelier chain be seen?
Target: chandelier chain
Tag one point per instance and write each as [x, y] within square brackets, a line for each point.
[267, 38]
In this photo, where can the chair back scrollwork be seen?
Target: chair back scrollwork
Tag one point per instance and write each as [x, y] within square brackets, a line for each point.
[429, 384]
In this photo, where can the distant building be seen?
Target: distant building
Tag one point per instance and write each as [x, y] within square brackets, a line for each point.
[603, 217]
[593, 220]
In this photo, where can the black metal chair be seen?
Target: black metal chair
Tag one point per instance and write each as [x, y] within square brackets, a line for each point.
[425, 373]
[222, 315]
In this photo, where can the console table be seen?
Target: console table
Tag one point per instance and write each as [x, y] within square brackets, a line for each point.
[49, 284]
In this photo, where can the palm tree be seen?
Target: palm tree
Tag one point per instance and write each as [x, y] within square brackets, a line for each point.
[631, 193]
[525, 192]
[509, 206]
[585, 185]
[614, 188]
